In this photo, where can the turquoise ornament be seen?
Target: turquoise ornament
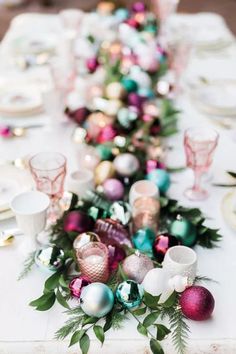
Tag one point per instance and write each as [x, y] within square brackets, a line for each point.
[146, 92]
[129, 84]
[151, 28]
[122, 14]
[143, 240]
[184, 230]
[126, 117]
[161, 178]
[129, 294]
[104, 152]
[96, 300]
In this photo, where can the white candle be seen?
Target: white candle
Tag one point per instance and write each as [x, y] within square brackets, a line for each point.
[94, 259]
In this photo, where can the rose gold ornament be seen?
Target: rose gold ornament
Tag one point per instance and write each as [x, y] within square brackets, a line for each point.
[96, 122]
[136, 266]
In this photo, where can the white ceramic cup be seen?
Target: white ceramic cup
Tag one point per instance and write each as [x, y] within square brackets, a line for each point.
[30, 209]
[181, 260]
[79, 182]
[143, 188]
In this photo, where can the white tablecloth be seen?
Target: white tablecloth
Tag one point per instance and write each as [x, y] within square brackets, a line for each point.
[26, 331]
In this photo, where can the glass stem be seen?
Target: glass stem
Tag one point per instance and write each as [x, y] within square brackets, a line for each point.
[197, 180]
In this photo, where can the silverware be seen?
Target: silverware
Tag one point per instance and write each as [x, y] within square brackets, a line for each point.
[7, 237]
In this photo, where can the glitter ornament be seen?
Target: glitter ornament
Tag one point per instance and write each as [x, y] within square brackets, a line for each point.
[129, 294]
[113, 189]
[121, 211]
[197, 303]
[49, 259]
[103, 171]
[136, 266]
[111, 232]
[77, 221]
[106, 134]
[84, 238]
[77, 284]
[184, 230]
[126, 164]
[161, 178]
[96, 300]
[161, 245]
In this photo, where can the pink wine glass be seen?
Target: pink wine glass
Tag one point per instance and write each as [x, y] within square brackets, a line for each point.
[49, 170]
[199, 146]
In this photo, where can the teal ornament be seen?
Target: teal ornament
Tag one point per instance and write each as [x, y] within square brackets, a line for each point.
[161, 178]
[122, 14]
[146, 92]
[129, 294]
[184, 230]
[143, 240]
[49, 259]
[96, 300]
[104, 151]
[129, 84]
[126, 117]
[151, 28]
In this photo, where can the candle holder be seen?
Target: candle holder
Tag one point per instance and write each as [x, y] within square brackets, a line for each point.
[145, 213]
[143, 188]
[93, 261]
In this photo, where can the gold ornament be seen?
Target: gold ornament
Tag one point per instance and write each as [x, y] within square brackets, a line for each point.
[115, 49]
[115, 90]
[103, 171]
[97, 121]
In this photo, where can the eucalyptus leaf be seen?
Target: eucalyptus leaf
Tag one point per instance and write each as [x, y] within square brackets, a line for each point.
[62, 301]
[84, 343]
[48, 303]
[156, 347]
[76, 337]
[151, 318]
[139, 312]
[162, 331]
[142, 329]
[52, 282]
[170, 301]
[99, 332]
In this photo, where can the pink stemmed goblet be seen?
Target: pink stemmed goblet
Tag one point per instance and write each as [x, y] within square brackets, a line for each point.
[199, 146]
[49, 170]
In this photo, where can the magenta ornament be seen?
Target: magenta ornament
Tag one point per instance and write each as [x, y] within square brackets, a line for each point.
[113, 189]
[197, 303]
[107, 133]
[132, 23]
[77, 221]
[79, 115]
[77, 284]
[116, 255]
[138, 6]
[111, 232]
[92, 64]
[135, 100]
[5, 132]
[153, 165]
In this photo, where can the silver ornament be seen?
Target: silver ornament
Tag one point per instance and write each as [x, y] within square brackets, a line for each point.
[96, 300]
[49, 259]
[121, 212]
[126, 164]
[136, 266]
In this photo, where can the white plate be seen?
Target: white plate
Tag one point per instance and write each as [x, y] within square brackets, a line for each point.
[12, 182]
[228, 208]
[34, 44]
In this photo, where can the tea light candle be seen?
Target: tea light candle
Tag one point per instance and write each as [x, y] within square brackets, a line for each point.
[80, 182]
[143, 188]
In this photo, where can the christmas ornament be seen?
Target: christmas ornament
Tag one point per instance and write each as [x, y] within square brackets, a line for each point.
[92, 64]
[197, 303]
[79, 115]
[184, 230]
[77, 221]
[154, 281]
[143, 240]
[129, 84]
[84, 238]
[126, 116]
[115, 90]
[135, 100]
[126, 164]
[161, 178]
[136, 266]
[122, 14]
[161, 245]
[77, 284]
[129, 294]
[96, 300]
[96, 122]
[103, 171]
[104, 151]
[153, 165]
[138, 6]
[87, 157]
[116, 255]
[143, 81]
[113, 189]
[150, 108]
[106, 134]
[132, 22]
[105, 7]
[79, 135]
[49, 259]
[121, 212]
[111, 232]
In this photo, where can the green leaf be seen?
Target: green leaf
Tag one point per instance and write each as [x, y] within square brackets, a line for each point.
[41, 300]
[76, 337]
[62, 282]
[162, 331]
[142, 329]
[156, 347]
[84, 343]
[52, 282]
[49, 302]
[170, 301]
[140, 312]
[74, 201]
[61, 300]
[151, 318]
[151, 301]
[99, 332]
[89, 320]
[232, 174]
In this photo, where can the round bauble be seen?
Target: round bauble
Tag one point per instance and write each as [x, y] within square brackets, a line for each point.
[78, 221]
[143, 240]
[122, 14]
[161, 245]
[92, 64]
[96, 300]
[96, 122]
[129, 294]
[113, 189]
[143, 80]
[154, 281]
[121, 211]
[161, 178]
[135, 100]
[103, 171]
[115, 90]
[79, 115]
[126, 164]
[87, 157]
[185, 231]
[77, 284]
[84, 238]
[129, 84]
[106, 134]
[112, 232]
[151, 109]
[116, 255]
[197, 303]
[49, 259]
[104, 151]
[136, 266]
[126, 116]
[146, 92]
[138, 6]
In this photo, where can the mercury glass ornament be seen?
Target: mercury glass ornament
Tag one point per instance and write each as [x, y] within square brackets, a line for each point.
[121, 211]
[96, 300]
[84, 238]
[129, 294]
[136, 266]
[126, 164]
[49, 259]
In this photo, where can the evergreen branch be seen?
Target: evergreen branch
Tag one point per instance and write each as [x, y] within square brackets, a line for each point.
[202, 279]
[27, 266]
[70, 326]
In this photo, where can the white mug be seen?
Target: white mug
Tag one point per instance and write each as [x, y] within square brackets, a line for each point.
[30, 209]
[143, 188]
[79, 182]
[181, 260]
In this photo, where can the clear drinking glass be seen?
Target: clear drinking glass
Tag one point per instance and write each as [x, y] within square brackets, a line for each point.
[49, 170]
[93, 261]
[199, 144]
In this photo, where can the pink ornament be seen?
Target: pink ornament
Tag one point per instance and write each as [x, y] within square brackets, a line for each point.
[147, 118]
[92, 64]
[107, 133]
[135, 100]
[116, 255]
[5, 132]
[79, 115]
[139, 6]
[77, 221]
[153, 165]
[197, 303]
[77, 284]
[113, 189]
[132, 22]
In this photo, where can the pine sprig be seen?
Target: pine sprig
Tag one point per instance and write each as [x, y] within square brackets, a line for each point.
[27, 266]
[179, 329]
[70, 326]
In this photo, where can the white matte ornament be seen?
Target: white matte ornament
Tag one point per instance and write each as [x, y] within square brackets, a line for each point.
[114, 90]
[126, 164]
[154, 282]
